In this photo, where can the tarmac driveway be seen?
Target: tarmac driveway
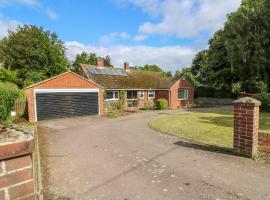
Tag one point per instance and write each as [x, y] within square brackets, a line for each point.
[123, 159]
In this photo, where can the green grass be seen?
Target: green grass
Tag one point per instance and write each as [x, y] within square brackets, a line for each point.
[214, 128]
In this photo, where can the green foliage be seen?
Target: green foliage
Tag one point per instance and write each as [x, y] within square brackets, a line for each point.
[149, 105]
[187, 73]
[112, 114]
[7, 75]
[33, 54]
[199, 67]
[247, 34]
[116, 108]
[162, 104]
[208, 91]
[153, 68]
[84, 58]
[239, 54]
[122, 100]
[9, 93]
[265, 99]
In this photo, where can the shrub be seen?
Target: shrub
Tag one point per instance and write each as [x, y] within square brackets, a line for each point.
[149, 105]
[9, 93]
[265, 99]
[162, 104]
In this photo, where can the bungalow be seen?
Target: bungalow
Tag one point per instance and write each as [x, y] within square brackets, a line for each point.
[140, 86]
[86, 93]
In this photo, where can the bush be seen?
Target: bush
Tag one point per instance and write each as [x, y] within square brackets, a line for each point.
[265, 99]
[162, 104]
[149, 105]
[9, 93]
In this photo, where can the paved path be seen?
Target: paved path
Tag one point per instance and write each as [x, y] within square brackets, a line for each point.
[123, 159]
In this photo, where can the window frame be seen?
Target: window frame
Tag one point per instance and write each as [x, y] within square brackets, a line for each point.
[179, 94]
[151, 92]
[113, 99]
[141, 93]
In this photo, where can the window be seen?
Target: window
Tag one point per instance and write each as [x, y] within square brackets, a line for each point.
[183, 94]
[132, 95]
[141, 94]
[112, 95]
[151, 94]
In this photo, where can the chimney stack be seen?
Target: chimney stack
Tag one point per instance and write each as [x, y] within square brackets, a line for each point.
[100, 62]
[126, 66]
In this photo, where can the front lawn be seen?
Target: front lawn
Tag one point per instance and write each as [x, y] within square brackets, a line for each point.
[214, 128]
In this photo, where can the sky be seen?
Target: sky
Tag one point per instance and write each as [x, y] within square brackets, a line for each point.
[164, 32]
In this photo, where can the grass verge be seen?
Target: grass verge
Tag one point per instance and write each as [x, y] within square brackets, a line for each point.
[213, 128]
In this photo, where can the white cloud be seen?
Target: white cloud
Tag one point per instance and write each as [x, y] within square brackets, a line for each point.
[7, 24]
[140, 37]
[23, 2]
[168, 57]
[114, 37]
[31, 3]
[151, 7]
[52, 14]
[185, 18]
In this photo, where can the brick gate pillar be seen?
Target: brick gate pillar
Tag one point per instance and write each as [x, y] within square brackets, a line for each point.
[246, 125]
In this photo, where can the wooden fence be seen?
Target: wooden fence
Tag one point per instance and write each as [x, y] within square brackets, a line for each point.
[21, 108]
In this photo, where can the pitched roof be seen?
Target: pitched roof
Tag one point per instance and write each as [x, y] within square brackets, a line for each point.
[135, 79]
[54, 77]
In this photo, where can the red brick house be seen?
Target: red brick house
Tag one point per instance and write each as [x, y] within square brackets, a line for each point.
[70, 94]
[140, 86]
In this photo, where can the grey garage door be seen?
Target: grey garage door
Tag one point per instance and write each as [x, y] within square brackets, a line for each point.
[66, 104]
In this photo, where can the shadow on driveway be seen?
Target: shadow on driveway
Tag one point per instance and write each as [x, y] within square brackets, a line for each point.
[206, 147]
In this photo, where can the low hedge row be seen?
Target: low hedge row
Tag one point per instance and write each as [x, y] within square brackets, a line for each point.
[9, 93]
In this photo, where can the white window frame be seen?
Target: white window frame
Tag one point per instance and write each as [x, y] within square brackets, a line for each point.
[151, 92]
[141, 93]
[180, 95]
[113, 99]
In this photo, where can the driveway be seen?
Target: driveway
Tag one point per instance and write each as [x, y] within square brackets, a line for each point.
[123, 159]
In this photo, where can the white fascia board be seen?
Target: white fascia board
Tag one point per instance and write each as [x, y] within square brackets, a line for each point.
[65, 90]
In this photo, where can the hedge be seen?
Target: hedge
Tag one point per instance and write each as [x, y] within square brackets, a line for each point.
[9, 93]
[162, 104]
[265, 99]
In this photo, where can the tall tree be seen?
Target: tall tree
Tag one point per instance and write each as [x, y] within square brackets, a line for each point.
[199, 67]
[220, 73]
[247, 33]
[33, 54]
[84, 58]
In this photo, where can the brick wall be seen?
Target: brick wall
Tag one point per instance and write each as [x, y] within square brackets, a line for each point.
[17, 180]
[66, 80]
[162, 94]
[246, 125]
[264, 140]
[181, 84]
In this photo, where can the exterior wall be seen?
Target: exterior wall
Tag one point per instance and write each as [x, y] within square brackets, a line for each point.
[174, 101]
[162, 94]
[67, 80]
[246, 124]
[16, 178]
[264, 140]
[17, 170]
[144, 100]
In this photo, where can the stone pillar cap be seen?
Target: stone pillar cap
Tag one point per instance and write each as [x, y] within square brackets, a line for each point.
[247, 100]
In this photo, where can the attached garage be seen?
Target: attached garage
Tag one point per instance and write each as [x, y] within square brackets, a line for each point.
[67, 95]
